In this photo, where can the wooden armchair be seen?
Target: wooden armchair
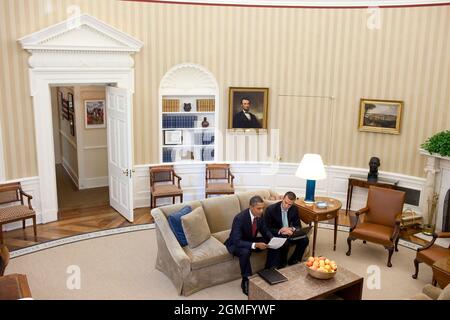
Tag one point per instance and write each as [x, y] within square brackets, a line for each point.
[218, 179]
[382, 217]
[11, 193]
[162, 184]
[431, 253]
[4, 259]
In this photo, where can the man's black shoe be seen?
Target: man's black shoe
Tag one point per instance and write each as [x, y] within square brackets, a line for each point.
[244, 286]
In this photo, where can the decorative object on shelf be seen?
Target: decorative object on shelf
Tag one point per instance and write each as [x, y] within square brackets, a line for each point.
[171, 105]
[438, 143]
[311, 168]
[187, 107]
[248, 108]
[72, 124]
[187, 155]
[429, 227]
[173, 137]
[374, 163]
[70, 100]
[380, 115]
[410, 219]
[94, 114]
[205, 105]
[205, 123]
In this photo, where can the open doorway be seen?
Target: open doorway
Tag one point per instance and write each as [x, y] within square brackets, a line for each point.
[80, 145]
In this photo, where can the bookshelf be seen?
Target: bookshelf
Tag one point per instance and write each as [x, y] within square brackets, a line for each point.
[188, 128]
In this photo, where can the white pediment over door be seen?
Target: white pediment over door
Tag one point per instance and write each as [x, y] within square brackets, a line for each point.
[81, 41]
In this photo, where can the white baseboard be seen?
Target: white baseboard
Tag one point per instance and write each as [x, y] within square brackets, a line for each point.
[88, 183]
[70, 172]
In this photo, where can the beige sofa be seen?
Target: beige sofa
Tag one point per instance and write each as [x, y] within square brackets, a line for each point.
[210, 263]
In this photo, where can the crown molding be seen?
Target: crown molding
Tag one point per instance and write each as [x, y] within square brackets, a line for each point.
[307, 4]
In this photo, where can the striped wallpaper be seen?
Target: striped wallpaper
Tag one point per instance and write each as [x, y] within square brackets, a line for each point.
[317, 63]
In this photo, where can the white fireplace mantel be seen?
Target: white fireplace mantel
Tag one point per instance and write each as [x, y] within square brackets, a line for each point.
[437, 170]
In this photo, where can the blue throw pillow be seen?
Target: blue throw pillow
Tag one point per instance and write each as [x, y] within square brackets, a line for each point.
[175, 224]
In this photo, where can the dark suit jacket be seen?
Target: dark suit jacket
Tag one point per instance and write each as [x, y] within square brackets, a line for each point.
[241, 232]
[241, 121]
[274, 221]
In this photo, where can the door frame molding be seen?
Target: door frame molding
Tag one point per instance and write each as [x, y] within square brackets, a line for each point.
[79, 51]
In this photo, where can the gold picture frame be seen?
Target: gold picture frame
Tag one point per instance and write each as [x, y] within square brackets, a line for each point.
[258, 101]
[382, 116]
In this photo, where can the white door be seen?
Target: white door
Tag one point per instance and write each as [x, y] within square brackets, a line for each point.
[118, 113]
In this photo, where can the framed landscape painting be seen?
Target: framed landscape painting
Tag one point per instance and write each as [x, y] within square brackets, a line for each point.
[94, 114]
[380, 115]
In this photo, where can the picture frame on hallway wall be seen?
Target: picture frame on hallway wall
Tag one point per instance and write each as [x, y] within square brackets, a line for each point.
[94, 114]
[248, 108]
[383, 116]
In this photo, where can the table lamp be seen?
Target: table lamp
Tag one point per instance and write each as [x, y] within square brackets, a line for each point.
[311, 168]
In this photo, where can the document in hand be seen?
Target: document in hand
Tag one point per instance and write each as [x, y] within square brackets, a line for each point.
[276, 242]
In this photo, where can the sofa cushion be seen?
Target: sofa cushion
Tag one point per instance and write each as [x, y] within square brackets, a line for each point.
[208, 253]
[220, 212]
[244, 197]
[175, 224]
[167, 210]
[195, 227]
[222, 236]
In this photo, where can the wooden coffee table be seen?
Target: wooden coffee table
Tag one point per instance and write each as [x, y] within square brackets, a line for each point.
[441, 272]
[301, 286]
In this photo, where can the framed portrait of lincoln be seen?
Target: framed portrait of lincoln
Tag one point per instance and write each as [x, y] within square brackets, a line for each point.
[248, 108]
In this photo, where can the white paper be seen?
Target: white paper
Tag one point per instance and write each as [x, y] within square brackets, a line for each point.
[276, 242]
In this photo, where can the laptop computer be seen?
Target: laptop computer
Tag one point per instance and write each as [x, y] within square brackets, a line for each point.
[272, 276]
[300, 233]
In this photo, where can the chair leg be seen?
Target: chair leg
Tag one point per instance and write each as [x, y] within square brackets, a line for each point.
[23, 224]
[434, 282]
[181, 198]
[416, 266]
[396, 244]
[35, 230]
[1, 234]
[364, 241]
[173, 200]
[349, 242]
[391, 251]
[151, 201]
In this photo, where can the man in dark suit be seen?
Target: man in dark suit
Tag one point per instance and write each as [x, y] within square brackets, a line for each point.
[243, 240]
[282, 219]
[244, 118]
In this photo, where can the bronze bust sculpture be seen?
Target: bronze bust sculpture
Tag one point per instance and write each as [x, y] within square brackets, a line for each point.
[374, 163]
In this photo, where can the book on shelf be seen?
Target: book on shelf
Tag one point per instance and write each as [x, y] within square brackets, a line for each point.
[171, 105]
[205, 105]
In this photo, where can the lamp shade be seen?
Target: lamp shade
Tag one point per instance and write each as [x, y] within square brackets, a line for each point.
[311, 167]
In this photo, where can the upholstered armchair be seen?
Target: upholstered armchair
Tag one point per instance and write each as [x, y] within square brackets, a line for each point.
[431, 253]
[12, 193]
[218, 179]
[382, 216]
[162, 184]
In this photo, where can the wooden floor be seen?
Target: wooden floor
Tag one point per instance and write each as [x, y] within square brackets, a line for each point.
[74, 222]
[78, 221]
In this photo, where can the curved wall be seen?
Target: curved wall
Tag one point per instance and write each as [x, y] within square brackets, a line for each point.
[317, 63]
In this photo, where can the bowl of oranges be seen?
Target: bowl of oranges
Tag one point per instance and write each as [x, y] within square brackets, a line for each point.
[321, 267]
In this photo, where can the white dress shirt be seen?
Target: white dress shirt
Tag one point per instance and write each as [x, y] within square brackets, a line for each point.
[252, 217]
